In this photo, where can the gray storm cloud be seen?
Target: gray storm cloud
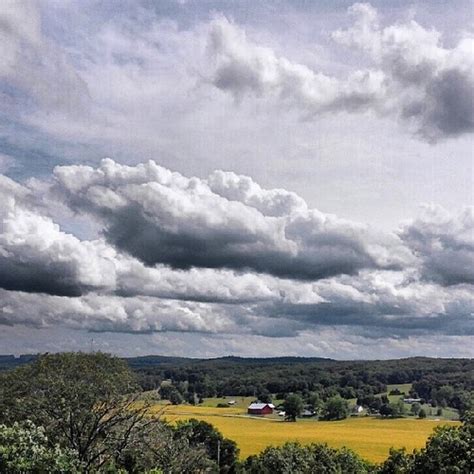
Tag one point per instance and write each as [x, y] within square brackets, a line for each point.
[444, 243]
[229, 222]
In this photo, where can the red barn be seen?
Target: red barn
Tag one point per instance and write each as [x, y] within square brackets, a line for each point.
[260, 409]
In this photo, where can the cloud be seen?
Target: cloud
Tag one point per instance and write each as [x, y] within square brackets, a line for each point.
[33, 68]
[244, 67]
[36, 256]
[53, 278]
[99, 313]
[444, 243]
[412, 76]
[377, 302]
[162, 217]
[428, 85]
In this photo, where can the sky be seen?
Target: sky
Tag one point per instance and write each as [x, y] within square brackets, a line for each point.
[252, 178]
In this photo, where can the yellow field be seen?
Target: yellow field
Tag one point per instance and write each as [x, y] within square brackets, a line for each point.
[369, 437]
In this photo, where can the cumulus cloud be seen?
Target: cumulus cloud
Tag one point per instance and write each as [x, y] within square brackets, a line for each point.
[36, 256]
[444, 242]
[225, 222]
[382, 301]
[244, 67]
[430, 85]
[51, 277]
[96, 312]
[412, 76]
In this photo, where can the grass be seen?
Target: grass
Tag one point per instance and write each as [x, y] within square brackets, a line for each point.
[240, 402]
[370, 437]
[403, 387]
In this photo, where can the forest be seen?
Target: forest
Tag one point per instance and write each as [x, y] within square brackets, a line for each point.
[441, 382]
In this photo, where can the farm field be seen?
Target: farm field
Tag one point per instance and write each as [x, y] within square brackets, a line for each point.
[370, 437]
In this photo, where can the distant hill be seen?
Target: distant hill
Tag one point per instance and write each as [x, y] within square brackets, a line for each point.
[9, 361]
[142, 362]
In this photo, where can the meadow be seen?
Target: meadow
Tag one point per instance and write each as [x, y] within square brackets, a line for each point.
[368, 436]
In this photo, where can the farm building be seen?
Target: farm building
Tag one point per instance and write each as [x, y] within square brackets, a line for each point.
[412, 400]
[357, 409]
[260, 409]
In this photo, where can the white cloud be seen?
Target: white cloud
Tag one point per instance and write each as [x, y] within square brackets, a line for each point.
[162, 217]
[51, 277]
[36, 256]
[412, 76]
[244, 67]
[427, 84]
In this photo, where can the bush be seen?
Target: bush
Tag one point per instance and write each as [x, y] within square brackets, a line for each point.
[448, 450]
[313, 458]
[26, 448]
[220, 450]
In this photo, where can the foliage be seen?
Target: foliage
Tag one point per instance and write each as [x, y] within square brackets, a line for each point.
[165, 451]
[336, 408]
[222, 451]
[175, 397]
[314, 401]
[398, 462]
[448, 450]
[264, 396]
[81, 400]
[25, 448]
[295, 458]
[393, 410]
[293, 406]
[422, 413]
[233, 376]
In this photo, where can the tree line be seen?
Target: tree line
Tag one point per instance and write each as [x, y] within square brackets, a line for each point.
[440, 382]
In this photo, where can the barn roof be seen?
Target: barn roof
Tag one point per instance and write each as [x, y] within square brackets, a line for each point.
[260, 406]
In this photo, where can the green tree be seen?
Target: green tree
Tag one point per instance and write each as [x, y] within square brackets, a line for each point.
[398, 462]
[293, 406]
[264, 396]
[336, 408]
[175, 397]
[295, 458]
[85, 402]
[393, 410]
[448, 450]
[222, 451]
[415, 408]
[315, 402]
[386, 410]
[163, 450]
[25, 448]
[422, 413]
